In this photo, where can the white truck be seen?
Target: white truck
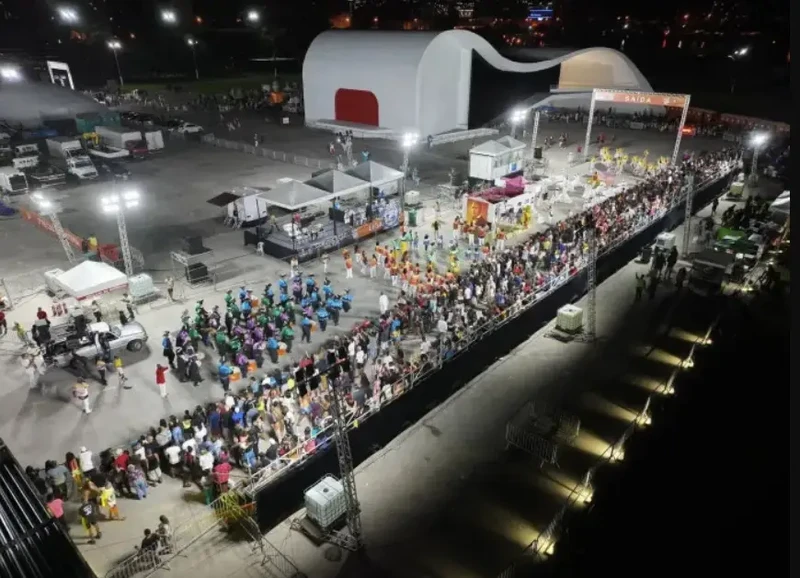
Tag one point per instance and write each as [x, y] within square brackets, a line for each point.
[107, 152]
[120, 137]
[69, 154]
[12, 181]
[154, 139]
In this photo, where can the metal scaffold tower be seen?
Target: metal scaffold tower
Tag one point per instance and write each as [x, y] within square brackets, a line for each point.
[353, 540]
[62, 236]
[590, 331]
[687, 217]
[124, 245]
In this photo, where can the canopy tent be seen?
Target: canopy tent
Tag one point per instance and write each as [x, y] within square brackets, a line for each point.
[376, 174]
[334, 181]
[781, 204]
[90, 279]
[295, 195]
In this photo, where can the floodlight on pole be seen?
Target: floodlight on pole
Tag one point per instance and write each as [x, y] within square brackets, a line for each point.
[67, 14]
[517, 117]
[192, 43]
[757, 141]
[10, 73]
[169, 16]
[49, 209]
[116, 46]
[253, 16]
[410, 139]
[119, 204]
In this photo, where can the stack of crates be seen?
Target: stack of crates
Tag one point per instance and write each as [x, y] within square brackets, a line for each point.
[569, 319]
[325, 502]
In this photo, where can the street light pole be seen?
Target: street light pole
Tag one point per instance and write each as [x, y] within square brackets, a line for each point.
[115, 45]
[409, 140]
[192, 43]
[758, 141]
[517, 117]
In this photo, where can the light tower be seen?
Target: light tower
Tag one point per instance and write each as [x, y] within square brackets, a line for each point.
[115, 46]
[410, 140]
[590, 330]
[687, 217]
[352, 541]
[517, 117]
[49, 209]
[118, 204]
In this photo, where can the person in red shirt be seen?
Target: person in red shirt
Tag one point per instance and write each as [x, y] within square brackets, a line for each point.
[161, 379]
[41, 313]
[3, 324]
[221, 474]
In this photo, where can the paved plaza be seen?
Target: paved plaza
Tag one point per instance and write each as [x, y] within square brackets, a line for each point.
[44, 423]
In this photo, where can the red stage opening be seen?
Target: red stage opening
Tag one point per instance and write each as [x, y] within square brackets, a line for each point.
[359, 106]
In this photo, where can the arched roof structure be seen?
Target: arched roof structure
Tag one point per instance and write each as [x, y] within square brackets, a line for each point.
[29, 103]
[421, 80]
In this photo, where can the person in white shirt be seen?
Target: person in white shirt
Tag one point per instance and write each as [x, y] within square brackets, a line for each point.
[206, 461]
[190, 443]
[383, 303]
[441, 325]
[424, 347]
[229, 402]
[173, 453]
[361, 358]
[200, 433]
[86, 461]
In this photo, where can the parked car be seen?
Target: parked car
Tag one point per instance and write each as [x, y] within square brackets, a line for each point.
[131, 336]
[112, 170]
[187, 128]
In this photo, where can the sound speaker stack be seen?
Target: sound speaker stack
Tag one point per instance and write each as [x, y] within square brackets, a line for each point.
[537, 153]
[193, 245]
[196, 273]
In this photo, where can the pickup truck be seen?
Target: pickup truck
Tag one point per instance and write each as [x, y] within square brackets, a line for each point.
[108, 152]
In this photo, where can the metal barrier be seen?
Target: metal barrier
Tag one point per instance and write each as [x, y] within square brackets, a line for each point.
[544, 544]
[463, 135]
[283, 157]
[18, 288]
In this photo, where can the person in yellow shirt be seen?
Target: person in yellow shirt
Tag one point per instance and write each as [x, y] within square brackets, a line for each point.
[92, 241]
[108, 500]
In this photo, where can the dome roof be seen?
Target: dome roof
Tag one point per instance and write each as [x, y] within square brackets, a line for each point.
[30, 103]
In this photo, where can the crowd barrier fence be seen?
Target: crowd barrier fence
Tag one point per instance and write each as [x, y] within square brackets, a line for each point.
[261, 151]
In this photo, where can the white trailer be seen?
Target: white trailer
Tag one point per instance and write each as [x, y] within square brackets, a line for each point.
[13, 181]
[155, 140]
[118, 136]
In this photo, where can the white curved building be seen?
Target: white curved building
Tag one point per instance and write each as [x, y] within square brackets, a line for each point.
[422, 80]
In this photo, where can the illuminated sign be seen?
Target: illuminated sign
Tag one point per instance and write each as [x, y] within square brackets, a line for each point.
[540, 14]
[645, 98]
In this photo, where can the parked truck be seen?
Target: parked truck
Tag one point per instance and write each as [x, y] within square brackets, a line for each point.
[155, 140]
[120, 137]
[44, 176]
[68, 154]
[12, 181]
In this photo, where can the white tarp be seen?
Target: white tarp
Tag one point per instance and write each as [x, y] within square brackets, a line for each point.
[375, 174]
[91, 279]
[781, 204]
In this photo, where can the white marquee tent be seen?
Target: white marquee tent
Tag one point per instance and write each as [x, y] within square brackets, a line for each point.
[421, 80]
[376, 174]
[334, 181]
[91, 279]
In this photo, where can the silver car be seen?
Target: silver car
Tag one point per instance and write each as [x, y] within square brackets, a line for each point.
[131, 336]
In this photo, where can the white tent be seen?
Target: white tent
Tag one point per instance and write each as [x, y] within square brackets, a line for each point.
[376, 174]
[295, 195]
[91, 279]
[334, 181]
[781, 204]
[496, 158]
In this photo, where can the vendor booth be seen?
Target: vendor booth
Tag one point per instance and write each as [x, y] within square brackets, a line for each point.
[496, 158]
[779, 209]
[328, 211]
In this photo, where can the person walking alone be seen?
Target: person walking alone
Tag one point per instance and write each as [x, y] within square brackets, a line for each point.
[81, 392]
[161, 379]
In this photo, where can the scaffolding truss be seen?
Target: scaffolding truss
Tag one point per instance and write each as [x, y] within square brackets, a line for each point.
[540, 429]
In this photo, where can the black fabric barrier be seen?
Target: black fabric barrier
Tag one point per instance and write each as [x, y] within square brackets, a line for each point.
[283, 497]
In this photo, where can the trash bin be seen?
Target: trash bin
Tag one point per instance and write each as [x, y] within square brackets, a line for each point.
[412, 217]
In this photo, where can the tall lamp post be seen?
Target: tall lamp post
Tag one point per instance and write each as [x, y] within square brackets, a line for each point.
[192, 44]
[169, 16]
[49, 209]
[117, 204]
[115, 46]
[758, 140]
[410, 139]
[517, 117]
[734, 57]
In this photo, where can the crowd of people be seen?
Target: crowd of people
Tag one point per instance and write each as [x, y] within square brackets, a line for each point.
[275, 410]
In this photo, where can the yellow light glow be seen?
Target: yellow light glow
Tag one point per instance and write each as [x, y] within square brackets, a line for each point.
[598, 404]
[590, 443]
[684, 335]
[687, 363]
[555, 483]
[618, 453]
[662, 356]
[644, 419]
[643, 381]
[504, 522]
